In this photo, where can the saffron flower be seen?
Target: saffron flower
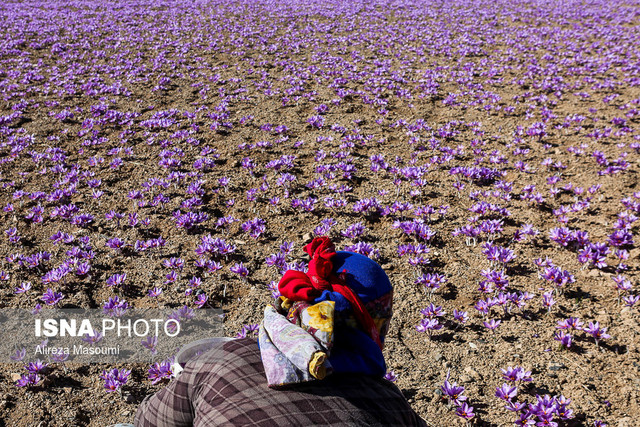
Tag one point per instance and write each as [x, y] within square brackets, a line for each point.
[564, 338]
[547, 300]
[391, 376]
[115, 307]
[631, 300]
[155, 292]
[516, 374]
[506, 392]
[201, 300]
[50, 297]
[116, 280]
[115, 243]
[28, 380]
[365, 249]
[453, 393]
[597, 332]
[36, 367]
[115, 379]
[240, 270]
[428, 325]
[92, 339]
[248, 330]
[432, 311]
[19, 355]
[492, 324]
[432, 281]
[23, 288]
[150, 343]
[460, 316]
[570, 323]
[160, 371]
[465, 411]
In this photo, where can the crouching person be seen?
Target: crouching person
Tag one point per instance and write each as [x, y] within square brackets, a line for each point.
[318, 359]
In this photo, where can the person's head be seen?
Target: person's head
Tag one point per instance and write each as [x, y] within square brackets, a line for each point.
[361, 294]
[370, 283]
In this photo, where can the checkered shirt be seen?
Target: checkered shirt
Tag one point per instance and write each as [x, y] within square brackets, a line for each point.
[226, 386]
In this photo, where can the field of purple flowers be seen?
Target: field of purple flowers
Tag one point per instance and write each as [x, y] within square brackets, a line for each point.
[486, 153]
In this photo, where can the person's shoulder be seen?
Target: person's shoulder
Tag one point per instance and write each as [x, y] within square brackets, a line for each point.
[240, 348]
[237, 359]
[234, 354]
[241, 345]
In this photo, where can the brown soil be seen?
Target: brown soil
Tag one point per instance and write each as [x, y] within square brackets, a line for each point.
[202, 52]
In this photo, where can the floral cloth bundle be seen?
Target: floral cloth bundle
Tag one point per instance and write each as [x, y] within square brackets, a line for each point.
[296, 352]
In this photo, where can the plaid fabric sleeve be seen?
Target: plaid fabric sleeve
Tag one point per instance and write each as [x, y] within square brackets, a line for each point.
[226, 386]
[171, 406]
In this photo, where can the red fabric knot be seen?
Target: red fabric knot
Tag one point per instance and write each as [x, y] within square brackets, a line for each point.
[298, 286]
[320, 284]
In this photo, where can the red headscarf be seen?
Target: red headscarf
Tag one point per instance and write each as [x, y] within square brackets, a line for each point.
[298, 286]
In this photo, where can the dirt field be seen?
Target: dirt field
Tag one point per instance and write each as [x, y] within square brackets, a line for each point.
[456, 125]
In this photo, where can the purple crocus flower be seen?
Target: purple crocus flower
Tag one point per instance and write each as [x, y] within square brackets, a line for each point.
[316, 121]
[324, 227]
[432, 281]
[150, 343]
[544, 409]
[115, 379]
[273, 287]
[59, 357]
[247, 329]
[174, 263]
[354, 230]
[432, 311]
[115, 243]
[428, 325]
[460, 316]
[115, 307]
[116, 280]
[506, 392]
[23, 288]
[240, 270]
[563, 338]
[83, 269]
[391, 376]
[36, 309]
[155, 292]
[19, 355]
[453, 393]
[50, 297]
[547, 300]
[516, 374]
[201, 300]
[160, 371]
[525, 419]
[28, 380]
[465, 411]
[36, 367]
[515, 406]
[92, 339]
[277, 260]
[172, 276]
[631, 300]
[571, 322]
[492, 324]
[597, 332]
[363, 248]
[255, 227]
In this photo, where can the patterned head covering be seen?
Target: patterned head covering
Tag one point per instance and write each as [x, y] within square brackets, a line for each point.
[331, 319]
